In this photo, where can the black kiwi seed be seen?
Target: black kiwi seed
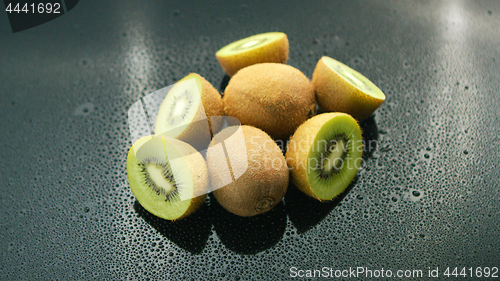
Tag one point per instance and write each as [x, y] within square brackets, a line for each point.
[166, 173]
[332, 145]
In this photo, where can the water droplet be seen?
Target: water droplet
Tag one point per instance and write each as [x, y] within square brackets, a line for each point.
[84, 109]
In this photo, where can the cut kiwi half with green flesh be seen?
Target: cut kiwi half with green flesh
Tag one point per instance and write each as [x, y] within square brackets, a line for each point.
[180, 107]
[184, 112]
[264, 47]
[324, 154]
[168, 177]
[354, 78]
[340, 88]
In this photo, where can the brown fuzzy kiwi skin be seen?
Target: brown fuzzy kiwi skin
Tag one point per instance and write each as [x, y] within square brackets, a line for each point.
[334, 94]
[198, 168]
[297, 153]
[276, 51]
[195, 205]
[266, 177]
[274, 97]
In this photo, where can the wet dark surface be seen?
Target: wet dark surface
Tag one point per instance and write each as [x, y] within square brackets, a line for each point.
[427, 196]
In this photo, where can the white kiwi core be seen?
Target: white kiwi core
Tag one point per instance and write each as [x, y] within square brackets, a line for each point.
[155, 174]
[332, 161]
[179, 108]
[250, 43]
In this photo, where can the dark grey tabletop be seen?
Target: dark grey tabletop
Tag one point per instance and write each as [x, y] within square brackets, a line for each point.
[427, 197]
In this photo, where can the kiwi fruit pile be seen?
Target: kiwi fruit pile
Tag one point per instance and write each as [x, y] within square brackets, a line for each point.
[242, 165]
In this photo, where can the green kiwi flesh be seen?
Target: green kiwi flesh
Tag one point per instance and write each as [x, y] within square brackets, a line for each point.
[354, 78]
[161, 177]
[337, 150]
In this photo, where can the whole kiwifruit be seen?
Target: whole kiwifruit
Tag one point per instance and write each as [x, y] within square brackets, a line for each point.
[340, 88]
[258, 174]
[185, 112]
[168, 177]
[324, 154]
[274, 97]
[264, 47]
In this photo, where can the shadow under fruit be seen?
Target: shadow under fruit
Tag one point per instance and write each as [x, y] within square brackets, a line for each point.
[190, 233]
[249, 235]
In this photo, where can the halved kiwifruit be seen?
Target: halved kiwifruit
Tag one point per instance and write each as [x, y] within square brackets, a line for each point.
[185, 112]
[324, 154]
[264, 47]
[340, 88]
[168, 177]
